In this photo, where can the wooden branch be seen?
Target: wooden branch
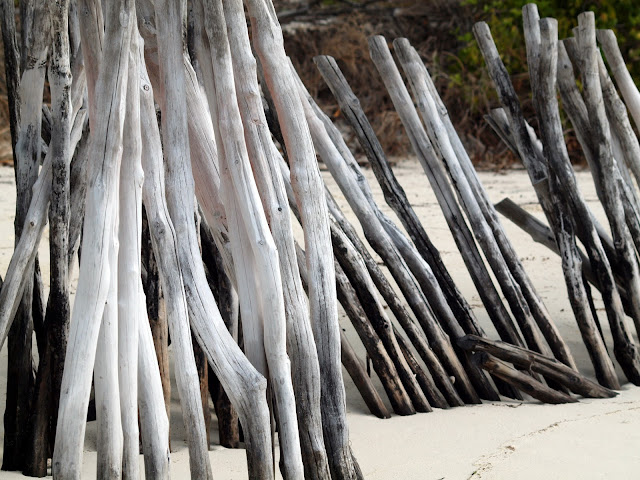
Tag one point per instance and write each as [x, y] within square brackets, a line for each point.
[425, 89]
[11, 68]
[308, 188]
[129, 263]
[363, 383]
[550, 368]
[382, 243]
[478, 223]
[154, 422]
[265, 160]
[94, 275]
[237, 180]
[521, 380]
[627, 86]
[245, 386]
[546, 104]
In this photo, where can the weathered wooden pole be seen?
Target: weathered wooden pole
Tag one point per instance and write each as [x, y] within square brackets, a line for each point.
[460, 169]
[244, 385]
[129, 263]
[237, 180]
[27, 154]
[543, 53]
[362, 381]
[176, 149]
[57, 322]
[520, 380]
[537, 169]
[94, 278]
[618, 67]
[154, 422]
[548, 367]
[265, 160]
[308, 188]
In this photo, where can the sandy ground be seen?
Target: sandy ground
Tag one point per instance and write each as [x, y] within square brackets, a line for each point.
[592, 439]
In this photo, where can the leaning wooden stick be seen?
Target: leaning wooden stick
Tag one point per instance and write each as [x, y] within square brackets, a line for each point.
[382, 57]
[362, 381]
[129, 263]
[537, 169]
[94, 280]
[521, 380]
[27, 152]
[264, 159]
[441, 127]
[554, 146]
[618, 67]
[548, 367]
[307, 184]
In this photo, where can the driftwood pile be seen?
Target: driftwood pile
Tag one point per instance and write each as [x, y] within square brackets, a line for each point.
[166, 165]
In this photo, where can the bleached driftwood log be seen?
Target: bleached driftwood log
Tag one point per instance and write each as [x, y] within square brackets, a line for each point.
[307, 185]
[154, 423]
[377, 236]
[27, 155]
[176, 149]
[265, 160]
[249, 221]
[241, 381]
[627, 86]
[94, 278]
[129, 264]
[460, 167]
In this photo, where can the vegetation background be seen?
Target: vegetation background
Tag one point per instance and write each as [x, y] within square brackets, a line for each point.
[441, 32]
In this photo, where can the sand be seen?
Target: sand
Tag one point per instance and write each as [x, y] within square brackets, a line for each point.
[508, 440]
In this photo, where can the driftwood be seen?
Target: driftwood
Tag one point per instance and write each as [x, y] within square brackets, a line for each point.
[546, 366]
[265, 159]
[362, 381]
[307, 185]
[460, 169]
[94, 276]
[585, 229]
[554, 146]
[520, 380]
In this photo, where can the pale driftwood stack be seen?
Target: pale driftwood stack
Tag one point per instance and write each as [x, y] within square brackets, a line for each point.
[158, 172]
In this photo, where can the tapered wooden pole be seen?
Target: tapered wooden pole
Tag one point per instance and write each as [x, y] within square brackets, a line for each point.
[237, 180]
[94, 275]
[129, 264]
[536, 165]
[154, 422]
[307, 184]
[264, 159]
[245, 386]
[460, 168]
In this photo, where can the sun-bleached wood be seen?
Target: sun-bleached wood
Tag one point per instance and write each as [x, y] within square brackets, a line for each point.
[378, 237]
[264, 159]
[618, 67]
[109, 436]
[129, 264]
[381, 56]
[434, 113]
[154, 423]
[94, 274]
[176, 150]
[237, 180]
[244, 385]
[307, 185]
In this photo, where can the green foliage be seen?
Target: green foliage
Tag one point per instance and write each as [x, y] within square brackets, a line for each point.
[504, 17]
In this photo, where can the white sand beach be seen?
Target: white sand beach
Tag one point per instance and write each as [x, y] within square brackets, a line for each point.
[592, 439]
